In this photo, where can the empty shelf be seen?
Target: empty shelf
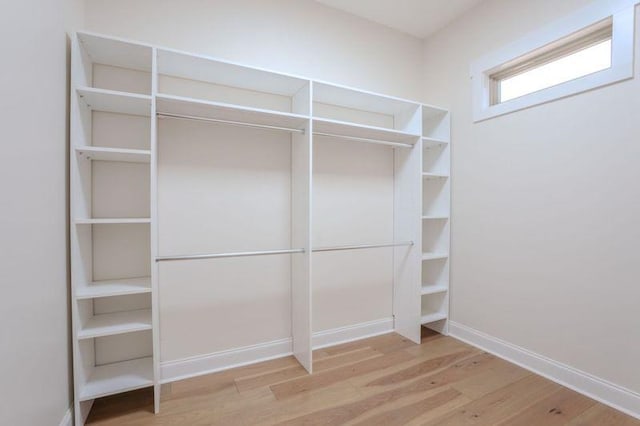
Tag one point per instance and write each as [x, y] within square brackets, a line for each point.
[434, 256]
[167, 104]
[434, 289]
[432, 142]
[110, 288]
[112, 221]
[114, 154]
[434, 176]
[118, 377]
[352, 130]
[438, 316]
[435, 217]
[116, 323]
[113, 101]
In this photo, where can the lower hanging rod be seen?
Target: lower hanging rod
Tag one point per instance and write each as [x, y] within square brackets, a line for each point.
[228, 122]
[222, 255]
[362, 246]
[274, 252]
[369, 140]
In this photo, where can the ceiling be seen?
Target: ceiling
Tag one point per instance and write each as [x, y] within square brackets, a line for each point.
[420, 18]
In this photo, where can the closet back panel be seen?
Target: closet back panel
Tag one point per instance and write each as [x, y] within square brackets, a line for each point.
[121, 79]
[121, 251]
[222, 189]
[207, 306]
[113, 130]
[352, 204]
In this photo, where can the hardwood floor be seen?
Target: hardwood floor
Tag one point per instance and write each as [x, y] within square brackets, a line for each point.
[384, 380]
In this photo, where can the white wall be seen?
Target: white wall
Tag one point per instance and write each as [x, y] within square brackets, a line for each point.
[34, 327]
[545, 205]
[295, 36]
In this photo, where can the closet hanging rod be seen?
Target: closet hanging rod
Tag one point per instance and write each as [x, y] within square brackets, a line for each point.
[272, 252]
[369, 140]
[229, 122]
[223, 255]
[362, 246]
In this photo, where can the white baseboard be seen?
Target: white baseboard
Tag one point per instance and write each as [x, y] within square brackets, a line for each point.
[171, 371]
[601, 390]
[67, 420]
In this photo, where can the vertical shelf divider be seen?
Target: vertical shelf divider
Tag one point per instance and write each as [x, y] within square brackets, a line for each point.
[301, 193]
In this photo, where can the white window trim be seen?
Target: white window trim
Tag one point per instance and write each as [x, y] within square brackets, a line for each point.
[623, 14]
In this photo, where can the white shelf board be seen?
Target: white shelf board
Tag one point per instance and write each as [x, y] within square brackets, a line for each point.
[434, 256]
[116, 52]
[429, 318]
[435, 217]
[430, 112]
[116, 323]
[114, 154]
[215, 71]
[113, 101]
[429, 176]
[220, 111]
[111, 221]
[108, 288]
[119, 377]
[346, 97]
[432, 142]
[434, 289]
[353, 130]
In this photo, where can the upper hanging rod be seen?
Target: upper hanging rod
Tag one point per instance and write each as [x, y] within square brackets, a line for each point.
[229, 122]
[369, 140]
[362, 246]
[272, 252]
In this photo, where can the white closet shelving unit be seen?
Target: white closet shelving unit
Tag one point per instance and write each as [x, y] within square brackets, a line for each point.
[114, 315]
[142, 222]
[436, 214]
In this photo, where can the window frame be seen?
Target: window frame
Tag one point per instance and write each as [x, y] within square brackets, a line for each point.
[621, 13]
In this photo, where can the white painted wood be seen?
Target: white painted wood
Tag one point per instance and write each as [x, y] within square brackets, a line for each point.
[407, 225]
[202, 68]
[433, 317]
[332, 94]
[622, 58]
[67, 419]
[110, 209]
[435, 289]
[185, 368]
[432, 142]
[434, 256]
[112, 101]
[429, 176]
[111, 221]
[110, 288]
[114, 154]
[342, 128]
[301, 225]
[118, 377]
[116, 323]
[177, 187]
[153, 198]
[601, 390]
[220, 111]
[436, 213]
[116, 52]
[352, 333]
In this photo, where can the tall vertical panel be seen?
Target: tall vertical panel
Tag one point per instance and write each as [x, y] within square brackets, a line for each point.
[155, 312]
[406, 224]
[301, 165]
